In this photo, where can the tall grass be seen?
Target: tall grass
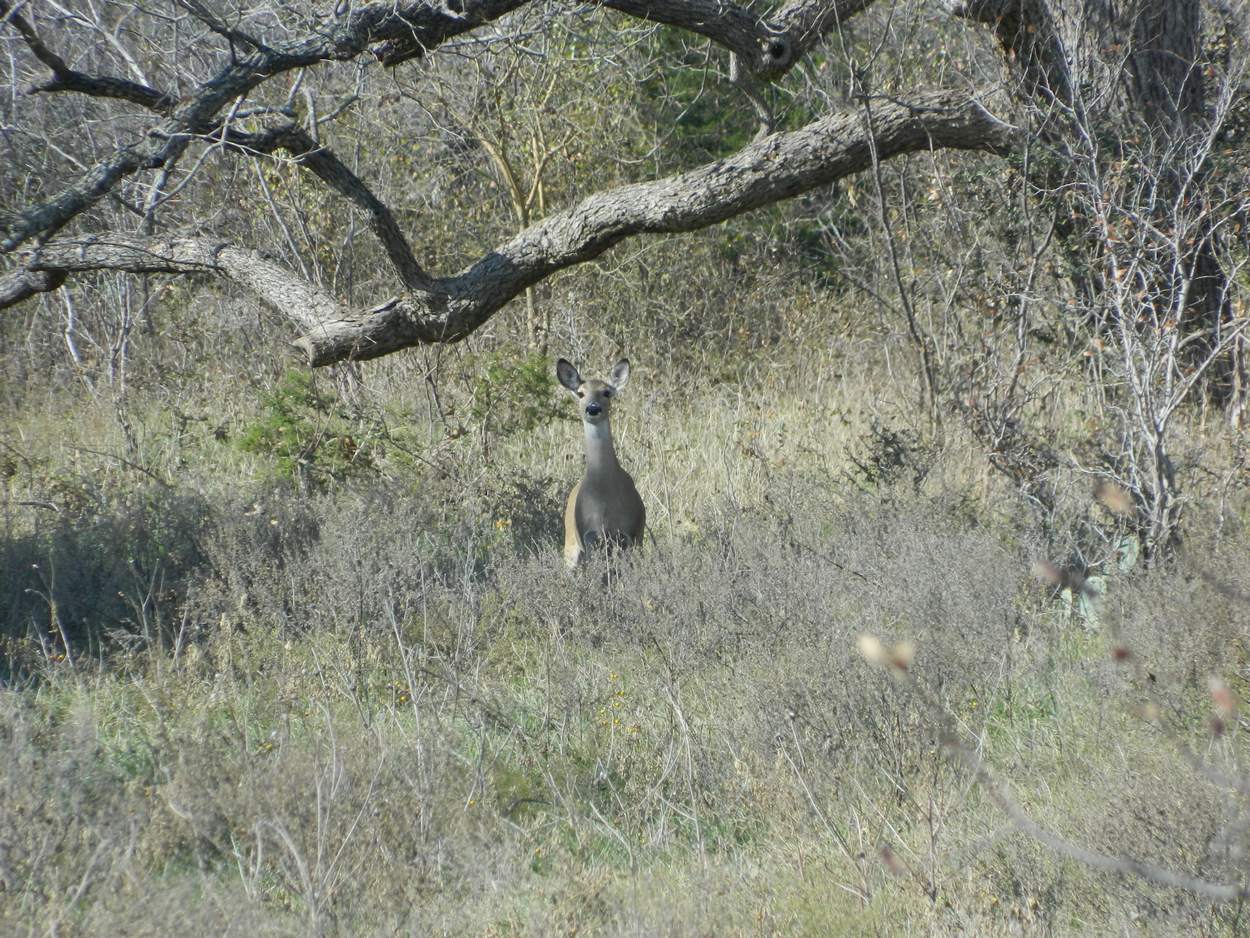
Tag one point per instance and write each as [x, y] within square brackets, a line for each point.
[240, 702]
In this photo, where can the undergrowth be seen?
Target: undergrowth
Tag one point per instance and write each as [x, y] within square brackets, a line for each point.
[364, 697]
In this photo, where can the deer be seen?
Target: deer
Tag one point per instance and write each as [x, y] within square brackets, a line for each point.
[604, 508]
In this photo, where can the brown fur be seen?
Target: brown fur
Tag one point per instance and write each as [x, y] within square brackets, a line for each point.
[604, 507]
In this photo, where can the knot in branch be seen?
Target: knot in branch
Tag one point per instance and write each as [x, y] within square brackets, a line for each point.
[776, 55]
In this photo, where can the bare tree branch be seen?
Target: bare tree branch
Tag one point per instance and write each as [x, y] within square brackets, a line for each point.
[399, 29]
[287, 291]
[806, 22]
[446, 310]
[769, 45]
[342, 38]
[210, 19]
[20, 284]
[65, 78]
[297, 142]
[327, 167]
[431, 25]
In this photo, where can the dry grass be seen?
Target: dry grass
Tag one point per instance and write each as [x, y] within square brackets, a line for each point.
[383, 707]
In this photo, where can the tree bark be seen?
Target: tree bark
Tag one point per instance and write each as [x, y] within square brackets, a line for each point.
[429, 310]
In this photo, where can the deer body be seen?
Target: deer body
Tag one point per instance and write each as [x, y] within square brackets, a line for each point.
[604, 508]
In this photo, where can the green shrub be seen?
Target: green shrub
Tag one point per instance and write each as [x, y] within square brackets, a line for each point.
[306, 435]
[515, 393]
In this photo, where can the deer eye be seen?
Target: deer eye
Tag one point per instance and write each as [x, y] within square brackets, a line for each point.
[607, 392]
[581, 393]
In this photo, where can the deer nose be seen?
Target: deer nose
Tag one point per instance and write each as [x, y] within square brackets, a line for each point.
[593, 409]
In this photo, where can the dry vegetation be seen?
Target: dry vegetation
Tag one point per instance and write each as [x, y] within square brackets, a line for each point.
[372, 701]
[292, 652]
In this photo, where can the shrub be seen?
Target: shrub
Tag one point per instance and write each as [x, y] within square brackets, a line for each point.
[306, 434]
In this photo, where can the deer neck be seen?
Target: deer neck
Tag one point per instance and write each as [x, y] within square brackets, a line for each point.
[600, 453]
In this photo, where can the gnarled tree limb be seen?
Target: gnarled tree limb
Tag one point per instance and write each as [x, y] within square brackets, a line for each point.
[427, 309]
[342, 38]
[397, 30]
[448, 309]
[768, 45]
[65, 78]
[327, 167]
[23, 283]
[297, 298]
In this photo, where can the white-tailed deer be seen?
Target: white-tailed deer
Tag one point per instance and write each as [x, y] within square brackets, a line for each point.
[604, 508]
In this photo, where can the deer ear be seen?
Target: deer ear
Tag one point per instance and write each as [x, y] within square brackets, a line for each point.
[568, 375]
[620, 374]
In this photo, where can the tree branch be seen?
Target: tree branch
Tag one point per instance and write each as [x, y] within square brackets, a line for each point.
[327, 167]
[17, 285]
[342, 38]
[778, 167]
[65, 78]
[430, 25]
[768, 46]
[219, 25]
[398, 30]
[294, 296]
[446, 310]
[742, 32]
[807, 22]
